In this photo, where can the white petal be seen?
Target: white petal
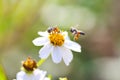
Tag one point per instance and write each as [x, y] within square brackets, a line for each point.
[40, 41]
[47, 78]
[42, 75]
[56, 54]
[20, 75]
[45, 51]
[29, 77]
[39, 74]
[72, 45]
[65, 33]
[23, 76]
[44, 34]
[36, 75]
[67, 56]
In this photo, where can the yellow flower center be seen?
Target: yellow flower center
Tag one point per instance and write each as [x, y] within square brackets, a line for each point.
[29, 64]
[56, 38]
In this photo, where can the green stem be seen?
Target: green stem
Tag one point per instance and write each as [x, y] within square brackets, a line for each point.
[40, 62]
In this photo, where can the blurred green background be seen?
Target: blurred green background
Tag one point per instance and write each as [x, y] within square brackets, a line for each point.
[20, 20]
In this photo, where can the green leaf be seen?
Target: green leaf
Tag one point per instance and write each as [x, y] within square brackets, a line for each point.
[2, 73]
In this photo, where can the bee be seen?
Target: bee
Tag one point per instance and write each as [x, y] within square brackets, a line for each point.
[53, 29]
[50, 29]
[76, 33]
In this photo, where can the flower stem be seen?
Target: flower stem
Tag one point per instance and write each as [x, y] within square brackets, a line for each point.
[40, 62]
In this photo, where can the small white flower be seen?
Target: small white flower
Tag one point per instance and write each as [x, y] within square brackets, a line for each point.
[58, 44]
[35, 75]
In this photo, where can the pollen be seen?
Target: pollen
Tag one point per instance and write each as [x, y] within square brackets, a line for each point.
[56, 38]
[29, 64]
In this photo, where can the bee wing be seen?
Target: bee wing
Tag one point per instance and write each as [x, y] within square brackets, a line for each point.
[77, 26]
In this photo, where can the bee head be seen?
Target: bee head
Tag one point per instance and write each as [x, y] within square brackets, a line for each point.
[73, 30]
[50, 29]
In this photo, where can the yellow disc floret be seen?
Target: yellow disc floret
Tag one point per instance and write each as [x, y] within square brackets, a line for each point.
[29, 64]
[56, 38]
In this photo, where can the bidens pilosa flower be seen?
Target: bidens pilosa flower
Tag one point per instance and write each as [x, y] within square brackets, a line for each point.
[57, 43]
[30, 71]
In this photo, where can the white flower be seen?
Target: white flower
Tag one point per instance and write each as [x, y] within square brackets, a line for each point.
[35, 75]
[58, 44]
